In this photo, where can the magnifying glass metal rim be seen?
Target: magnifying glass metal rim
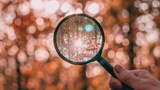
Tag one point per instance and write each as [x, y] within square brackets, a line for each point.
[74, 62]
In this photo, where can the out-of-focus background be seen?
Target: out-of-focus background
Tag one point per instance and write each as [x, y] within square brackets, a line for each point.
[28, 60]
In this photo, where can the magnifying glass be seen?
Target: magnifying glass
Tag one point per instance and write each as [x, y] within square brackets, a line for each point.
[79, 39]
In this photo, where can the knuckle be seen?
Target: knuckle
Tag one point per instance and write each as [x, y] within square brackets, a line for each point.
[126, 79]
[125, 76]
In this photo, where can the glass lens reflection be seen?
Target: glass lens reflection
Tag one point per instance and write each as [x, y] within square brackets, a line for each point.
[79, 39]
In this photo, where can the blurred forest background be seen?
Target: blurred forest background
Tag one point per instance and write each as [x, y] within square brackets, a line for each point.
[28, 60]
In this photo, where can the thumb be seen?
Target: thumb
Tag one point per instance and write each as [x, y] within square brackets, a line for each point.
[124, 76]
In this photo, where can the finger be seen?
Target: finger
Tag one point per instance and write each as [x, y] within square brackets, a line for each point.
[140, 73]
[135, 72]
[125, 76]
[115, 84]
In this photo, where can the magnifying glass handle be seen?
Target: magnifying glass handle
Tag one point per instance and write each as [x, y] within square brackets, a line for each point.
[109, 68]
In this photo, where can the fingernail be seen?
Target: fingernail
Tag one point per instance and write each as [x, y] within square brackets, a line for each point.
[118, 69]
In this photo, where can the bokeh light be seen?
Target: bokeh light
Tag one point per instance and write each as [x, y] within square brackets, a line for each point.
[93, 8]
[132, 39]
[65, 7]
[89, 27]
[41, 54]
[78, 43]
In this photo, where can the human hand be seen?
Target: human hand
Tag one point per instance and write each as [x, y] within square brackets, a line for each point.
[137, 79]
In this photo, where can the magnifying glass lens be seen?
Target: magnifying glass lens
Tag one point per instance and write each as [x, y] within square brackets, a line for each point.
[78, 39]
